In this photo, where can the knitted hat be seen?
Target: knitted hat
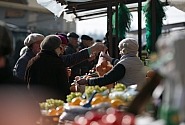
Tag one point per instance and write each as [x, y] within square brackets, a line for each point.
[32, 38]
[128, 45]
[63, 39]
[50, 42]
[63, 34]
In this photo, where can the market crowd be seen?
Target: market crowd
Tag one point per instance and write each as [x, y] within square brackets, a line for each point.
[49, 64]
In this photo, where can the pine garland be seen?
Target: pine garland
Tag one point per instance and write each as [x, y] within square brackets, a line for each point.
[124, 21]
[160, 15]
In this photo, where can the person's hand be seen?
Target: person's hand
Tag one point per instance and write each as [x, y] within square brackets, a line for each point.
[68, 71]
[107, 57]
[92, 57]
[97, 47]
[82, 82]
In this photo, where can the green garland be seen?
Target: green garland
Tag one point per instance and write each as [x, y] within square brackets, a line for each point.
[160, 14]
[124, 21]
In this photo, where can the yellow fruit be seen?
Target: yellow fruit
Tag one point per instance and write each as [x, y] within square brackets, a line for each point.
[52, 112]
[116, 102]
[106, 99]
[98, 95]
[96, 100]
[60, 109]
[84, 101]
[76, 101]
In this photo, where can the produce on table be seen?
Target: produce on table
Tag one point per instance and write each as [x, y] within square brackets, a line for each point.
[119, 87]
[51, 103]
[90, 89]
[73, 95]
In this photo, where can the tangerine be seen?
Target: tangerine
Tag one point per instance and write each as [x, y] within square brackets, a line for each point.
[106, 99]
[84, 101]
[96, 100]
[52, 112]
[60, 109]
[116, 102]
[76, 101]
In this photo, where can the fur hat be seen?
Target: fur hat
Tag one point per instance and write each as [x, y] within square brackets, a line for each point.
[128, 45]
[50, 42]
[32, 38]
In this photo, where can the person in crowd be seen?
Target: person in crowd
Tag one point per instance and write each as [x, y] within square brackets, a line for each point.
[18, 107]
[86, 41]
[52, 76]
[73, 43]
[87, 65]
[32, 42]
[23, 50]
[128, 70]
[71, 48]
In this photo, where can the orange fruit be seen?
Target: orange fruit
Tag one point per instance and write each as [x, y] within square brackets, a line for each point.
[84, 101]
[98, 95]
[76, 101]
[52, 112]
[60, 109]
[96, 100]
[106, 99]
[116, 102]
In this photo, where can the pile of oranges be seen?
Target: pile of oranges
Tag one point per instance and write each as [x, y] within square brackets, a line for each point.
[78, 101]
[55, 111]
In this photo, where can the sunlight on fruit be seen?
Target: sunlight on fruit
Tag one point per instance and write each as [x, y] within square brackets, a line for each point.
[96, 100]
[106, 99]
[76, 101]
[84, 101]
[52, 112]
[116, 102]
[60, 109]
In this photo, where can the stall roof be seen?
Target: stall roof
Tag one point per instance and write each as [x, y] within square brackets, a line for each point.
[95, 8]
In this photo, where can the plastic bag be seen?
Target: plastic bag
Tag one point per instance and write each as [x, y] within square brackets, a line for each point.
[103, 66]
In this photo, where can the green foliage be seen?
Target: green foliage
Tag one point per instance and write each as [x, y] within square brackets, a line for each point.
[124, 21]
[160, 15]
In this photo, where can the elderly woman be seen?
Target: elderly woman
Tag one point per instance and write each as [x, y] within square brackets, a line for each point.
[128, 70]
[32, 43]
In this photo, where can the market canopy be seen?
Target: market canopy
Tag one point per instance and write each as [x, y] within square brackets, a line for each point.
[84, 9]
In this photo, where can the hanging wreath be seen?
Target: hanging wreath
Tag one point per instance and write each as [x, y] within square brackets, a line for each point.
[160, 15]
[124, 21]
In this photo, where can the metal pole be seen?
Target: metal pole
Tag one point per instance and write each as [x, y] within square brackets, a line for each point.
[139, 29]
[153, 25]
[116, 40]
[110, 25]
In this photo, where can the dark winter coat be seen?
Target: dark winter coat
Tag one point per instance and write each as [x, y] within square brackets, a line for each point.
[47, 76]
